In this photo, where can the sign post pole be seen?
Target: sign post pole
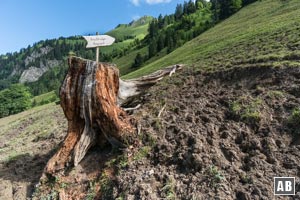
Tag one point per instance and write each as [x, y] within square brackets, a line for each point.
[97, 51]
[97, 41]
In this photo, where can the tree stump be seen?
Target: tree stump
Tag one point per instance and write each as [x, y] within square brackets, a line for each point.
[91, 97]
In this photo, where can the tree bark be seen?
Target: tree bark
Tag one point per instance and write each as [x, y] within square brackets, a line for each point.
[91, 97]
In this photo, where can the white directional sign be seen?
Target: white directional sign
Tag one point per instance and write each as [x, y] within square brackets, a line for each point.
[99, 41]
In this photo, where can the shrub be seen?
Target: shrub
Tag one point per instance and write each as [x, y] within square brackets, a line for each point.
[15, 99]
[214, 176]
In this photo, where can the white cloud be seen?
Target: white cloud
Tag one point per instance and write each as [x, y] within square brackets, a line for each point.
[157, 1]
[135, 2]
[136, 17]
[150, 2]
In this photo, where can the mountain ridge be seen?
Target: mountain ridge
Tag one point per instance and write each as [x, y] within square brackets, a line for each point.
[29, 64]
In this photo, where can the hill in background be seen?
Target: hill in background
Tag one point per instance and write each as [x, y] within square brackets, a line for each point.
[264, 34]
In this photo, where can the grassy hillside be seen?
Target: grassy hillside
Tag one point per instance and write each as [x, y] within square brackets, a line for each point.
[264, 33]
[27, 141]
[136, 29]
[22, 132]
[44, 99]
[165, 35]
[125, 34]
[124, 63]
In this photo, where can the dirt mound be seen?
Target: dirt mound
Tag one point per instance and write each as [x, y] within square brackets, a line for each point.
[221, 135]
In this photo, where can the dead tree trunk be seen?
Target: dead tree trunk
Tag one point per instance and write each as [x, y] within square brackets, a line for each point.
[91, 97]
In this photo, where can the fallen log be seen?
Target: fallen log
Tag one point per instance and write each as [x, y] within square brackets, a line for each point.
[92, 96]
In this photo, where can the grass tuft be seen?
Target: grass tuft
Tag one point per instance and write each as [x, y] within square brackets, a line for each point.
[294, 120]
[247, 109]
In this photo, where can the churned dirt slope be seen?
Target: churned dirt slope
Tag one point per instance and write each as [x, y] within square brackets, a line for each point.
[221, 135]
[218, 135]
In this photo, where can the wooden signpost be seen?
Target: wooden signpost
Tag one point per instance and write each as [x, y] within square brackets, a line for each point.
[97, 41]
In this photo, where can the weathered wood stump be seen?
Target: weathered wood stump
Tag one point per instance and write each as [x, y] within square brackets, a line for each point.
[91, 97]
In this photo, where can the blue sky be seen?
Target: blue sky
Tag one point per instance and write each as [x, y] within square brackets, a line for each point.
[24, 22]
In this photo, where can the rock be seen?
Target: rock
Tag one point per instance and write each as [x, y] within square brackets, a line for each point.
[130, 197]
[255, 144]
[35, 55]
[151, 172]
[241, 195]
[225, 134]
[34, 73]
[289, 163]
[280, 144]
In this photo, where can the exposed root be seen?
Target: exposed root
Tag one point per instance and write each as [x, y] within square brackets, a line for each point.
[135, 108]
[161, 111]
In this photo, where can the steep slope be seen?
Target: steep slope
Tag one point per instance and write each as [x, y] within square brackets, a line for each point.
[220, 135]
[264, 33]
[205, 135]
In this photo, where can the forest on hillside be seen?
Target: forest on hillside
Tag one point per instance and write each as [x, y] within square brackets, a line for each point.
[189, 20]
[165, 34]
